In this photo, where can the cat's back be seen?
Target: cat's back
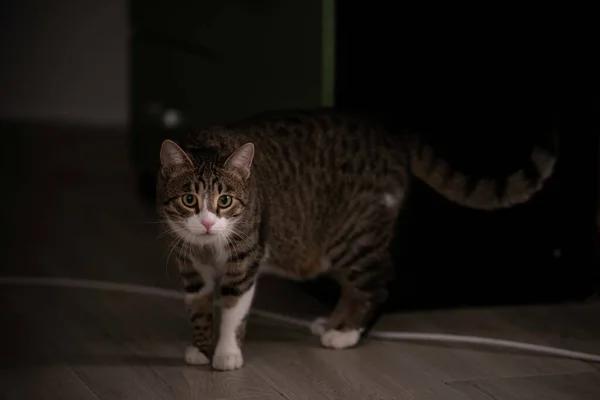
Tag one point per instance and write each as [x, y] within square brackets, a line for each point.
[301, 143]
[320, 144]
[320, 150]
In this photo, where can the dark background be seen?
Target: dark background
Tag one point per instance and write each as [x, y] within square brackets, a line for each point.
[482, 83]
[483, 89]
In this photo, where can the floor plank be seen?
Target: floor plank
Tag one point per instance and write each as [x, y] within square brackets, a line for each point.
[51, 382]
[463, 362]
[108, 338]
[579, 386]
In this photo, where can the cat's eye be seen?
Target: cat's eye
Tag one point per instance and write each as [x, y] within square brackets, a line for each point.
[189, 200]
[224, 201]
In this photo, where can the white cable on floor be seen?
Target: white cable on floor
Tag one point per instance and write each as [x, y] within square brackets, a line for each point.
[385, 335]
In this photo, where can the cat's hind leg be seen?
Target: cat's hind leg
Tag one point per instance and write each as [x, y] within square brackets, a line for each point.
[363, 294]
[364, 272]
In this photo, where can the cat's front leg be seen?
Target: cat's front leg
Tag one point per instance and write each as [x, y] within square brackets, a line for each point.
[198, 283]
[237, 291]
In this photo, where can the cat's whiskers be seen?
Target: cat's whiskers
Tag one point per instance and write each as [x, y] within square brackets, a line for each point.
[186, 241]
[171, 230]
[157, 221]
[184, 249]
[220, 242]
[190, 248]
[230, 247]
[243, 236]
[170, 249]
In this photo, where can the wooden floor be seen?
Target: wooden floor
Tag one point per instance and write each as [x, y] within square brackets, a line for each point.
[72, 212]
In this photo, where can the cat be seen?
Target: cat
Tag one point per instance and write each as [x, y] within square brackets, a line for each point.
[300, 194]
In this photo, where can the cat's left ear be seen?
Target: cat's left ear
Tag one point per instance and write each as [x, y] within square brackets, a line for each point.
[241, 159]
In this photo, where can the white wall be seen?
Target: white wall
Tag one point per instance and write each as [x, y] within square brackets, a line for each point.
[64, 60]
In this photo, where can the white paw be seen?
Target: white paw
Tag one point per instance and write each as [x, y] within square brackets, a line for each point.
[317, 327]
[335, 339]
[194, 356]
[227, 358]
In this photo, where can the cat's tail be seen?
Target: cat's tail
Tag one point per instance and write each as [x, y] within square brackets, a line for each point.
[485, 194]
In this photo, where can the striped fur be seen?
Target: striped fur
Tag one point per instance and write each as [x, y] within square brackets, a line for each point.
[314, 192]
[484, 194]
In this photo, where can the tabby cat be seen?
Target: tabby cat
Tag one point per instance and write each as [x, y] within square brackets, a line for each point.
[299, 195]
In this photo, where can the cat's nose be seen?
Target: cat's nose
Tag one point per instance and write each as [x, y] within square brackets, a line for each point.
[207, 224]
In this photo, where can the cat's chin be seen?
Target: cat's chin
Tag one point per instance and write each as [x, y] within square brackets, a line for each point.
[206, 239]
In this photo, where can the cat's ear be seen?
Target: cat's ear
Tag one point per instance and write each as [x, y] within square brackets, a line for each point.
[171, 154]
[241, 159]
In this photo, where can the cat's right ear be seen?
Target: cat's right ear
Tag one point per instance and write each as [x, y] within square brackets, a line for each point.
[171, 155]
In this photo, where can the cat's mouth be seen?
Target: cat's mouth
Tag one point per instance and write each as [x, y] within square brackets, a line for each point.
[207, 235]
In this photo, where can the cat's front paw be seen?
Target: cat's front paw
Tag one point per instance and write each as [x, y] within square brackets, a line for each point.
[227, 358]
[335, 339]
[194, 356]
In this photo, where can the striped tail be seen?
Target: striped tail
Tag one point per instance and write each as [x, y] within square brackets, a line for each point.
[483, 194]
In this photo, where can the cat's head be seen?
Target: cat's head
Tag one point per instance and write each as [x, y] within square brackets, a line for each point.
[205, 201]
